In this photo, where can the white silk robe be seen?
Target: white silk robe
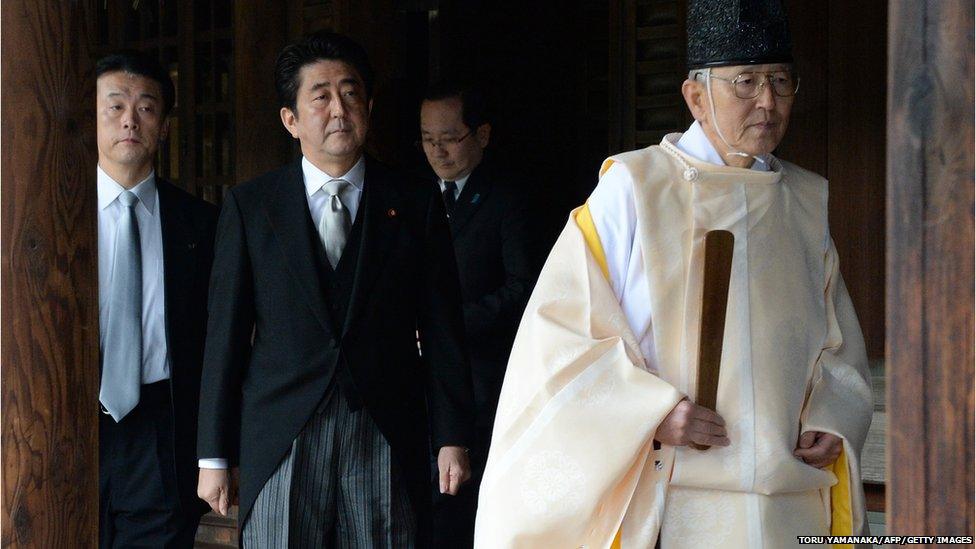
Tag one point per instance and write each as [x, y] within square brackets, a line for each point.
[572, 462]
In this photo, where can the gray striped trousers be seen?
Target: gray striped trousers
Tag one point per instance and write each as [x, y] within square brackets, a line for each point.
[337, 487]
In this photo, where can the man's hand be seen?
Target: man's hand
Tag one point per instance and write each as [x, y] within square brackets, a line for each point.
[215, 488]
[453, 467]
[818, 449]
[690, 423]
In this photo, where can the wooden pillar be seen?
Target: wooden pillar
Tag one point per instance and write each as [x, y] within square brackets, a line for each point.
[930, 268]
[49, 277]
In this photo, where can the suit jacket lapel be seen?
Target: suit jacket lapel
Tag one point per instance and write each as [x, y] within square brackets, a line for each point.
[472, 196]
[288, 214]
[179, 245]
[380, 209]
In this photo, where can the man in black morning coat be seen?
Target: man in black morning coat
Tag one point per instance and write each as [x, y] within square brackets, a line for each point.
[324, 272]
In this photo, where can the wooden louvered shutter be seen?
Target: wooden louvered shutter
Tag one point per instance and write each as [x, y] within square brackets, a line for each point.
[647, 72]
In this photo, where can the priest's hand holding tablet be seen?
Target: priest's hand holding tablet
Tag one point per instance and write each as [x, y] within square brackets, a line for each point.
[690, 423]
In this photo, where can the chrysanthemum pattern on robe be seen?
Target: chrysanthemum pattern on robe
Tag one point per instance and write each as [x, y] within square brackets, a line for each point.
[552, 477]
[688, 510]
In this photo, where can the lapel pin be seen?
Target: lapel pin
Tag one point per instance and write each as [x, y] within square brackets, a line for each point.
[475, 198]
[391, 213]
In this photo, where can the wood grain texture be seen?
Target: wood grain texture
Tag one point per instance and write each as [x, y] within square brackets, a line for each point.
[715, 299]
[49, 281]
[711, 328]
[930, 251]
[874, 497]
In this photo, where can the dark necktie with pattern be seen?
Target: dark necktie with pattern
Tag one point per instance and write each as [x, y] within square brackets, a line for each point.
[448, 194]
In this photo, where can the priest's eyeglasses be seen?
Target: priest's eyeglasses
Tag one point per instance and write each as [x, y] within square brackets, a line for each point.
[443, 143]
[749, 85]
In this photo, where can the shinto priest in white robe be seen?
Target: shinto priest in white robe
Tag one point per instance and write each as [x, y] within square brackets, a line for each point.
[608, 346]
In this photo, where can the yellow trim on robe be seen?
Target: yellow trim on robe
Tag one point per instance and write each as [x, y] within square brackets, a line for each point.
[841, 516]
[616, 541]
[584, 219]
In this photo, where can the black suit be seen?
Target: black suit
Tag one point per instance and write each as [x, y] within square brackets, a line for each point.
[259, 393]
[160, 434]
[497, 266]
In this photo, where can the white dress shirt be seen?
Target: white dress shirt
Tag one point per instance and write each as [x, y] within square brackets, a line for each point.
[460, 185]
[615, 217]
[155, 354]
[315, 179]
[350, 196]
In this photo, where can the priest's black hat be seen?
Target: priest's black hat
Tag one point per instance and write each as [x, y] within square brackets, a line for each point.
[737, 32]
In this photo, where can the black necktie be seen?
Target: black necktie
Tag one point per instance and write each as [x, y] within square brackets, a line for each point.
[449, 200]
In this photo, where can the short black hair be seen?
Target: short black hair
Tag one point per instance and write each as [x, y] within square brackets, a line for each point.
[474, 107]
[141, 64]
[318, 46]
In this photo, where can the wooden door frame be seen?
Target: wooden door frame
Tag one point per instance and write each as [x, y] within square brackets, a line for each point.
[929, 350]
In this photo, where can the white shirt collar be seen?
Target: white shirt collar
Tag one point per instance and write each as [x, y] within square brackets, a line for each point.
[110, 189]
[316, 178]
[695, 143]
[460, 183]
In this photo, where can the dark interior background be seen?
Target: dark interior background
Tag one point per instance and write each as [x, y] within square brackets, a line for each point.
[569, 83]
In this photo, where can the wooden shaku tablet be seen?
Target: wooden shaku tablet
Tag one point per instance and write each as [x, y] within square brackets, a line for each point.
[715, 298]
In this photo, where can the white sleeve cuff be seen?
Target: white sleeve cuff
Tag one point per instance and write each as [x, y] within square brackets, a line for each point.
[615, 219]
[213, 463]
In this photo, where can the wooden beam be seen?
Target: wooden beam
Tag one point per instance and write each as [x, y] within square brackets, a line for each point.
[929, 351]
[874, 497]
[49, 277]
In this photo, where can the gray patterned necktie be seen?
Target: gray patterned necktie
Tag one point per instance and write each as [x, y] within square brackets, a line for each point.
[335, 223]
[122, 355]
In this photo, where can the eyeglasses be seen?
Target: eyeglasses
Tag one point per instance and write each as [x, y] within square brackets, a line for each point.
[443, 143]
[749, 85]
